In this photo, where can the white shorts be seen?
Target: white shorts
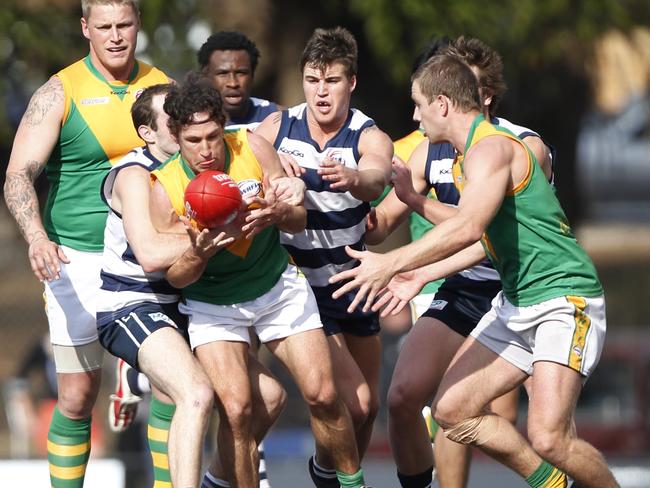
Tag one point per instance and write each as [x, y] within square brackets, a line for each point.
[420, 304]
[566, 330]
[287, 309]
[70, 300]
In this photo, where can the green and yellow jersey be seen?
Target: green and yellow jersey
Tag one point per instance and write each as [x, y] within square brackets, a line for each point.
[96, 131]
[247, 268]
[529, 241]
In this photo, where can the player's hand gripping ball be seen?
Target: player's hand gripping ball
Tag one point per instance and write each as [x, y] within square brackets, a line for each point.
[212, 199]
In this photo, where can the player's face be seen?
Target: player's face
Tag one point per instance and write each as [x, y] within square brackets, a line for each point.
[327, 93]
[424, 112]
[163, 138]
[201, 143]
[112, 31]
[231, 74]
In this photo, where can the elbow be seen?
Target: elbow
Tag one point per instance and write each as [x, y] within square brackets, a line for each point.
[472, 233]
[150, 263]
[150, 267]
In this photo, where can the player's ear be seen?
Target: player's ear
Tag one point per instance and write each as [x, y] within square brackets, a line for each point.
[145, 133]
[84, 28]
[443, 103]
[353, 83]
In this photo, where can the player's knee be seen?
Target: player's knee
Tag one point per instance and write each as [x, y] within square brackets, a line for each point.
[401, 402]
[447, 413]
[473, 430]
[551, 445]
[200, 397]
[323, 398]
[359, 411]
[76, 401]
[238, 412]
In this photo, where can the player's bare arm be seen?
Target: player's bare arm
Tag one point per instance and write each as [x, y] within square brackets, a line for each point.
[368, 181]
[488, 176]
[392, 211]
[282, 202]
[35, 138]
[153, 250]
[542, 154]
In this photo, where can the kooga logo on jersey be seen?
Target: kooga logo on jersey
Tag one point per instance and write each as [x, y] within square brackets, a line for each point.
[292, 152]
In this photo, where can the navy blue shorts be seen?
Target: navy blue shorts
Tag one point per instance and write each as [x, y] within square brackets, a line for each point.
[335, 317]
[460, 302]
[363, 326]
[122, 332]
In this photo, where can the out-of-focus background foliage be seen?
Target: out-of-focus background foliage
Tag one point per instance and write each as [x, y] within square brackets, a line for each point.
[578, 72]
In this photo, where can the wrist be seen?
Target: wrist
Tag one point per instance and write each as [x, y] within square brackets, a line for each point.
[36, 236]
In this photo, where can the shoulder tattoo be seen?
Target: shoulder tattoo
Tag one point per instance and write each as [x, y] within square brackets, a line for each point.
[42, 102]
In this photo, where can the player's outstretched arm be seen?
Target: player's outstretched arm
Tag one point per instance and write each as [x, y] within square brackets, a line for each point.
[35, 138]
[485, 187]
[403, 287]
[154, 251]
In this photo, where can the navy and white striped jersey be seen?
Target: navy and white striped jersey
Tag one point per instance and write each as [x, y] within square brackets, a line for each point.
[335, 218]
[124, 282]
[438, 174]
[258, 110]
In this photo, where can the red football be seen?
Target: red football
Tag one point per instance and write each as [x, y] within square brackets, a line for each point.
[212, 198]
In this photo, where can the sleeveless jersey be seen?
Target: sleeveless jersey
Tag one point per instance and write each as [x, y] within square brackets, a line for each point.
[96, 131]
[529, 241]
[438, 173]
[246, 269]
[258, 110]
[124, 282]
[335, 218]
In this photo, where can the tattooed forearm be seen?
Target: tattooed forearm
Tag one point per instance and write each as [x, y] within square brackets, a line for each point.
[22, 200]
[47, 96]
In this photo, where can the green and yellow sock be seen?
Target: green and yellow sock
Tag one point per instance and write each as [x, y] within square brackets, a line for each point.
[547, 476]
[351, 480]
[68, 450]
[160, 419]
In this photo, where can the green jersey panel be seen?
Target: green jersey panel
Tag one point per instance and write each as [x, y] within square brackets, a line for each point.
[530, 242]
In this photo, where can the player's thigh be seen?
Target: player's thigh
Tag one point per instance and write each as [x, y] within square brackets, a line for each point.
[366, 353]
[165, 358]
[226, 364]
[268, 394]
[555, 390]
[422, 361]
[307, 357]
[475, 377]
[350, 381]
